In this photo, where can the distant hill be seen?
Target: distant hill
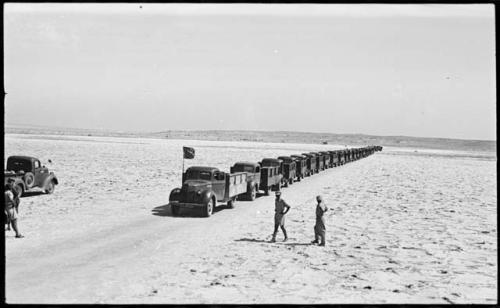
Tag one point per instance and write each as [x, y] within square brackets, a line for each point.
[274, 136]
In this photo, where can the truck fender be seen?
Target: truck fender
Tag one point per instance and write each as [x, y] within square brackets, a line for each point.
[50, 178]
[53, 177]
[175, 194]
[207, 195]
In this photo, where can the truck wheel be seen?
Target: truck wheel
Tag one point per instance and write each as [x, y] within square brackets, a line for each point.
[231, 203]
[50, 188]
[20, 190]
[175, 209]
[209, 208]
[29, 179]
[252, 194]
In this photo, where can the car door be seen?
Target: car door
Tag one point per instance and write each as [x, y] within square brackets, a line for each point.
[39, 173]
[219, 184]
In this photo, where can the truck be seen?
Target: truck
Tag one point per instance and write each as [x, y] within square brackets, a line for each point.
[253, 177]
[311, 163]
[27, 174]
[326, 159]
[289, 170]
[301, 166]
[271, 174]
[334, 158]
[203, 187]
[319, 161]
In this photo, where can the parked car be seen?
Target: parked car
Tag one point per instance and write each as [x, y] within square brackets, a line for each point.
[26, 173]
[203, 187]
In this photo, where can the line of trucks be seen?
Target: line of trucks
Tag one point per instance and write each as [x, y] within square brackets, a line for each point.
[205, 187]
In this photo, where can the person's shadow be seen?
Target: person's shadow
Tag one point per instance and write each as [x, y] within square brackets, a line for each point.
[254, 240]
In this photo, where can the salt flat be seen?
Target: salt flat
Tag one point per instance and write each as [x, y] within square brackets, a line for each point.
[404, 227]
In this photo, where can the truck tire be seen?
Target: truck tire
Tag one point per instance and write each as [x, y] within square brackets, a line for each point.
[208, 208]
[50, 187]
[231, 202]
[252, 194]
[19, 189]
[175, 209]
[29, 179]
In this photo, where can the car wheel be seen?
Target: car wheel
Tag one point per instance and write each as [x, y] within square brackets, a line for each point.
[29, 179]
[209, 208]
[253, 194]
[50, 187]
[231, 203]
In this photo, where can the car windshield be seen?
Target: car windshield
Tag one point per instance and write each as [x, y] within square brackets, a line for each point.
[18, 165]
[198, 175]
[243, 168]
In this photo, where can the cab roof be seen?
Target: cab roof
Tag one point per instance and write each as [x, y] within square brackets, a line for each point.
[203, 168]
[20, 157]
[247, 163]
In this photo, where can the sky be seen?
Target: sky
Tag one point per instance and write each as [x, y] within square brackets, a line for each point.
[423, 70]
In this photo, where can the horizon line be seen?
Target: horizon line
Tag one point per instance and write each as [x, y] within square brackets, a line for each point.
[232, 130]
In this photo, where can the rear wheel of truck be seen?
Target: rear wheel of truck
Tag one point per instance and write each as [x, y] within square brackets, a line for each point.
[266, 191]
[252, 194]
[50, 187]
[231, 202]
[209, 208]
[175, 209]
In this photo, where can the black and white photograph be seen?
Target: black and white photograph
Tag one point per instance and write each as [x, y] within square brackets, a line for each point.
[250, 153]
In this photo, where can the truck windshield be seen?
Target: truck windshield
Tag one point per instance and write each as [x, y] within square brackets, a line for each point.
[243, 168]
[198, 175]
[18, 165]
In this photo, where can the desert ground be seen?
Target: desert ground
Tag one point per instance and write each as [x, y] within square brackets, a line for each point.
[406, 225]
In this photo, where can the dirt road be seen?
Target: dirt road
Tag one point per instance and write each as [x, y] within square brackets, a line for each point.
[138, 254]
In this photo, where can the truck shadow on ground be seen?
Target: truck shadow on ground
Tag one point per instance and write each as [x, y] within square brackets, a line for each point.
[165, 210]
[32, 194]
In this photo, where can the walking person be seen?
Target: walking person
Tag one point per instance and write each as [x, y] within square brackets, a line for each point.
[319, 227]
[280, 210]
[10, 210]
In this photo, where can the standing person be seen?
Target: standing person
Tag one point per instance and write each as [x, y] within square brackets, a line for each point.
[10, 211]
[319, 227]
[280, 209]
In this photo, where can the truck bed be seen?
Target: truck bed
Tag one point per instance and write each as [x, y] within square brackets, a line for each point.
[236, 184]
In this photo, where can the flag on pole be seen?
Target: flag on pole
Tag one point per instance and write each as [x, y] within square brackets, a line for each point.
[188, 152]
